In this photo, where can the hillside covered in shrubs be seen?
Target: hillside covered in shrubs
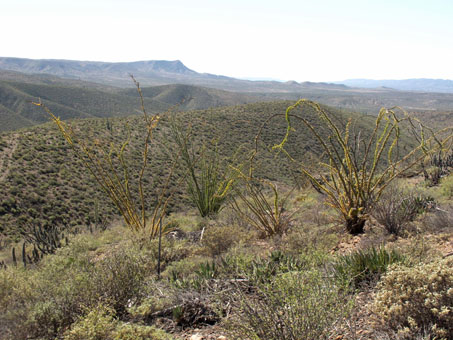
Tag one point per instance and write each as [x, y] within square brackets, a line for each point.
[283, 220]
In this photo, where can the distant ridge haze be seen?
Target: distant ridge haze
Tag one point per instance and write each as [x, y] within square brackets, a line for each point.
[164, 72]
[416, 84]
[149, 73]
[74, 68]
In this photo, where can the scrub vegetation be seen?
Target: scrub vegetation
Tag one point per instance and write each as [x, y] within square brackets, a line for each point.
[346, 238]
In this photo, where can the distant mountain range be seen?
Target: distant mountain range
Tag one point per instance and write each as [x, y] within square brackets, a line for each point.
[420, 84]
[150, 73]
[164, 72]
[80, 89]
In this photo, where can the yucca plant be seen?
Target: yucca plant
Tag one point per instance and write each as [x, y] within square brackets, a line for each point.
[110, 169]
[365, 265]
[357, 170]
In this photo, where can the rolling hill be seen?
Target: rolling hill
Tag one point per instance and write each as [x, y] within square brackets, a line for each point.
[16, 110]
[84, 100]
[42, 181]
[189, 97]
[80, 99]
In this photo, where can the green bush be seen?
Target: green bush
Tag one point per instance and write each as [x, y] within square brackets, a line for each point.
[100, 324]
[172, 250]
[308, 239]
[418, 299]
[164, 297]
[294, 306]
[44, 301]
[41, 302]
[129, 331]
[14, 292]
[120, 278]
[365, 265]
[218, 239]
[447, 187]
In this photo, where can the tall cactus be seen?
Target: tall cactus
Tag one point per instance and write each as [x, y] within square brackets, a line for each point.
[13, 253]
[45, 239]
[24, 255]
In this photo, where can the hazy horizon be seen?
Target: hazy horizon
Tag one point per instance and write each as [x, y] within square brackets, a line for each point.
[287, 40]
[242, 78]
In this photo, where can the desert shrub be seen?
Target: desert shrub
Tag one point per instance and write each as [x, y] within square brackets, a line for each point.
[308, 238]
[172, 250]
[45, 300]
[314, 209]
[447, 187]
[162, 298]
[258, 270]
[416, 299]
[129, 331]
[395, 209]
[184, 268]
[202, 274]
[419, 249]
[185, 307]
[14, 292]
[198, 278]
[294, 306]
[120, 277]
[440, 220]
[365, 265]
[218, 239]
[100, 324]
[264, 269]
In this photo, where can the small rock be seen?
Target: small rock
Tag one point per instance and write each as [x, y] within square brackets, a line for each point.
[222, 338]
[197, 336]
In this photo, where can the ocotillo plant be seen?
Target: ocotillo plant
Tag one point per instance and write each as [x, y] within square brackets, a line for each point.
[267, 215]
[208, 180]
[111, 171]
[357, 171]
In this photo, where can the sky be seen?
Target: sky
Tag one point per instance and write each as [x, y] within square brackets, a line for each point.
[315, 40]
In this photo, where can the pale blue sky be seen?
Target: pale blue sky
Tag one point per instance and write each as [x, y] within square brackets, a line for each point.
[323, 40]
